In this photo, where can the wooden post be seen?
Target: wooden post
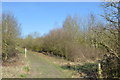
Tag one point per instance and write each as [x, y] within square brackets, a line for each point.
[99, 70]
[25, 52]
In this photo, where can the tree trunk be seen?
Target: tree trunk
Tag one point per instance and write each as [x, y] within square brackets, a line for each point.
[119, 29]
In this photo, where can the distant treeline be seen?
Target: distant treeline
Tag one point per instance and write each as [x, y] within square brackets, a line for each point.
[69, 42]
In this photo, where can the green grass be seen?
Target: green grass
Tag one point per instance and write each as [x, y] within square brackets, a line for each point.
[90, 69]
[26, 68]
[23, 75]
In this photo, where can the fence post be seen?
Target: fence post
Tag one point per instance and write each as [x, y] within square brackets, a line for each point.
[99, 70]
[25, 52]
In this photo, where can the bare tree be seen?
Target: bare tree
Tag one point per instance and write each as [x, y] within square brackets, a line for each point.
[111, 33]
[10, 33]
